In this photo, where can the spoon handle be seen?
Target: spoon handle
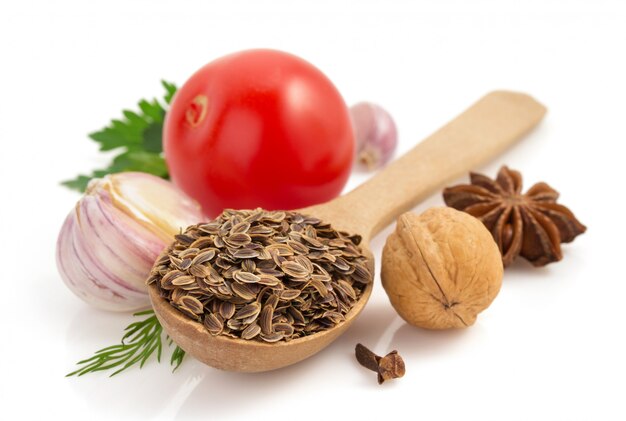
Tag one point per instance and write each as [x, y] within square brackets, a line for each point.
[474, 137]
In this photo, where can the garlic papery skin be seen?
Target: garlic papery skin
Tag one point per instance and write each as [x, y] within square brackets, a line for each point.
[110, 240]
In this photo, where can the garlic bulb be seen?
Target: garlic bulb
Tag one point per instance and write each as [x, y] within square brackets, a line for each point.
[110, 240]
[375, 133]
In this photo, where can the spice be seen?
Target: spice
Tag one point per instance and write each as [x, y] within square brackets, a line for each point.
[440, 269]
[531, 225]
[110, 240]
[262, 275]
[391, 366]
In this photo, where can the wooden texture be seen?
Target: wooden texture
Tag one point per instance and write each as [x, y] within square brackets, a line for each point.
[477, 135]
[474, 137]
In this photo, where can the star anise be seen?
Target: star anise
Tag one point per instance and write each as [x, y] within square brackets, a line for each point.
[531, 225]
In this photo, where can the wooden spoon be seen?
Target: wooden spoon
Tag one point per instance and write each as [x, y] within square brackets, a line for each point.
[477, 135]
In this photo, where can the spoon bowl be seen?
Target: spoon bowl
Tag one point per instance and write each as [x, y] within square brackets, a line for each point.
[232, 354]
[477, 135]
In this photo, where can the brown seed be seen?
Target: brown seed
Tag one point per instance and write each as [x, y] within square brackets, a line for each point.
[321, 277]
[248, 265]
[313, 242]
[284, 328]
[192, 304]
[219, 242]
[270, 272]
[304, 262]
[260, 230]
[276, 216]
[183, 280]
[280, 249]
[362, 274]
[334, 316]
[235, 324]
[320, 287]
[226, 289]
[210, 228]
[294, 269]
[346, 289]
[278, 260]
[192, 286]
[248, 310]
[199, 271]
[188, 312]
[336, 242]
[223, 263]
[230, 272]
[163, 259]
[166, 281]
[184, 239]
[245, 254]
[264, 255]
[202, 243]
[238, 240]
[153, 278]
[297, 315]
[341, 264]
[289, 294]
[204, 256]
[177, 294]
[251, 331]
[272, 337]
[227, 309]
[243, 290]
[214, 278]
[240, 228]
[246, 277]
[250, 319]
[188, 253]
[298, 247]
[272, 301]
[185, 263]
[265, 319]
[269, 280]
[350, 252]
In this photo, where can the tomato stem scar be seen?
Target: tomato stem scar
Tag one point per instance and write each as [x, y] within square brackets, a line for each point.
[196, 111]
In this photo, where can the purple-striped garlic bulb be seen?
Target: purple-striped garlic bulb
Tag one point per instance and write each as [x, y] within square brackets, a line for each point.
[112, 237]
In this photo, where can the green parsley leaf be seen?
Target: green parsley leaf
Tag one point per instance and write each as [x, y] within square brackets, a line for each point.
[138, 137]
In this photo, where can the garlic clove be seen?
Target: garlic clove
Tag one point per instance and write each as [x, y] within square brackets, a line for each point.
[88, 278]
[140, 194]
[108, 243]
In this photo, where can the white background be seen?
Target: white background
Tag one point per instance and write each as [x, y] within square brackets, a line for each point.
[550, 347]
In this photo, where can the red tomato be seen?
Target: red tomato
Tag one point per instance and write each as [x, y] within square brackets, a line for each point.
[259, 128]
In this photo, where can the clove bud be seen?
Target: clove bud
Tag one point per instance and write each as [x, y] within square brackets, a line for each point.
[391, 366]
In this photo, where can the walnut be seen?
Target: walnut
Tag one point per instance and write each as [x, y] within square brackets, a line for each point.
[441, 268]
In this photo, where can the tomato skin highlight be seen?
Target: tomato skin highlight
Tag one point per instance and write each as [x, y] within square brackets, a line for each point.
[259, 128]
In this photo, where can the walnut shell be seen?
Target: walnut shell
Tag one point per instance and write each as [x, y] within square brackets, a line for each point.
[441, 268]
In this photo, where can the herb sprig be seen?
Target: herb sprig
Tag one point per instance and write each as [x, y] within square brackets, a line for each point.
[137, 136]
[141, 340]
